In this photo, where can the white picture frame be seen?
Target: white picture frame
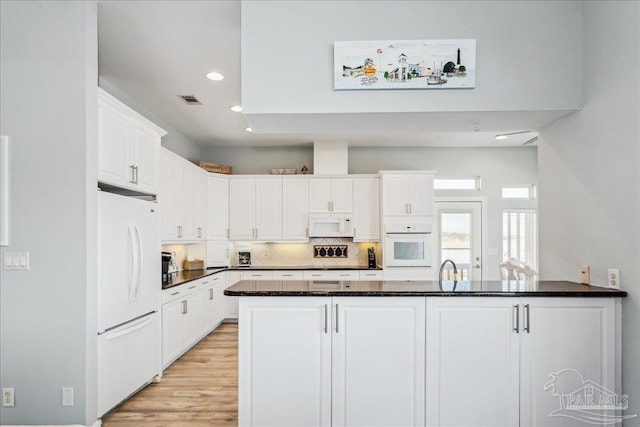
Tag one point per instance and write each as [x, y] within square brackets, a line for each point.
[4, 190]
[404, 64]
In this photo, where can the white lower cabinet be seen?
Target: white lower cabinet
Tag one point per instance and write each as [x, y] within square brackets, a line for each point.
[231, 303]
[331, 361]
[190, 312]
[493, 361]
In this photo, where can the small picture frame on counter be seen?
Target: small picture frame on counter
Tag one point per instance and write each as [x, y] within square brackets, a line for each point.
[244, 259]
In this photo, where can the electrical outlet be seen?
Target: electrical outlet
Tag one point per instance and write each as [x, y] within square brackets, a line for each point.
[584, 275]
[8, 397]
[614, 278]
[267, 252]
[67, 396]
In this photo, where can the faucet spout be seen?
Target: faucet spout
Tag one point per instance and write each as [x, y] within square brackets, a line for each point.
[446, 261]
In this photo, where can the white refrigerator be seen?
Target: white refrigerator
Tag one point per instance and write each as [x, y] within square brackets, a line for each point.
[129, 297]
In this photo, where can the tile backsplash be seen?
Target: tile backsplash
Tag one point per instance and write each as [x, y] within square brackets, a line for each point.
[301, 254]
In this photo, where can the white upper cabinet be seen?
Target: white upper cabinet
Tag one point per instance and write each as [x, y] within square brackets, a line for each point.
[366, 209]
[255, 207]
[217, 207]
[182, 197]
[407, 194]
[295, 209]
[128, 146]
[331, 195]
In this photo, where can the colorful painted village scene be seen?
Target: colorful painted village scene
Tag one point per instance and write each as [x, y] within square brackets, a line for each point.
[406, 64]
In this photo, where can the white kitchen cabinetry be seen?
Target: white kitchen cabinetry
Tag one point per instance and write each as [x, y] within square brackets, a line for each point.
[128, 146]
[349, 361]
[182, 199]
[331, 275]
[255, 207]
[331, 195]
[295, 209]
[497, 354]
[218, 254]
[288, 275]
[407, 194]
[285, 362]
[256, 275]
[217, 207]
[231, 303]
[371, 275]
[189, 312]
[366, 209]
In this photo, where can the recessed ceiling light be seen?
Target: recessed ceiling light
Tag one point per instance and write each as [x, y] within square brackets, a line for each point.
[235, 108]
[215, 76]
[248, 129]
[501, 136]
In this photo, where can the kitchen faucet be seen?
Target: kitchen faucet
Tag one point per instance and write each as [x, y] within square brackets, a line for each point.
[455, 269]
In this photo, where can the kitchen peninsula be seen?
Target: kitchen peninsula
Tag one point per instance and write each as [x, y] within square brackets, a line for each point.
[382, 353]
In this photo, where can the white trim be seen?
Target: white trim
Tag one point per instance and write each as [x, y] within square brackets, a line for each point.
[4, 190]
[484, 219]
[98, 423]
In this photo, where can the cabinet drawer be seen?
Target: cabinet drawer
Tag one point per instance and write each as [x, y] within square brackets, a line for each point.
[256, 275]
[371, 275]
[174, 293]
[288, 275]
[331, 275]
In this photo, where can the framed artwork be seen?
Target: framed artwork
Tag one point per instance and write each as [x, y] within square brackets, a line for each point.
[405, 64]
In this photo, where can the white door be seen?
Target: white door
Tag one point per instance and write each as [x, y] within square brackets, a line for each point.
[284, 362]
[378, 361]
[395, 195]
[146, 154]
[198, 203]
[420, 192]
[472, 362]
[167, 199]
[268, 217]
[172, 331]
[242, 209]
[366, 209]
[459, 238]
[114, 158]
[567, 352]
[342, 195]
[217, 208]
[319, 195]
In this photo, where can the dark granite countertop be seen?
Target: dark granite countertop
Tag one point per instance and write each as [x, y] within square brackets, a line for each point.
[418, 288]
[184, 276]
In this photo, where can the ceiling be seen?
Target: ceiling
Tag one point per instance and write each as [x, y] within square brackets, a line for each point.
[155, 51]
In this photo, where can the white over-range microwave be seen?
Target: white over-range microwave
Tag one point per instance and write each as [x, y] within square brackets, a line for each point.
[330, 225]
[408, 245]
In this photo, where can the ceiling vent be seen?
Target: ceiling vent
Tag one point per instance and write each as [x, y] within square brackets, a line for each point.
[190, 99]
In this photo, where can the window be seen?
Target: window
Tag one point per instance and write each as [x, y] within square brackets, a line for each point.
[457, 183]
[520, 236]
[519, 192]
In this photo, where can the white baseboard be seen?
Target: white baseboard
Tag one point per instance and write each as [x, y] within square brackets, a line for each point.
[98, 423]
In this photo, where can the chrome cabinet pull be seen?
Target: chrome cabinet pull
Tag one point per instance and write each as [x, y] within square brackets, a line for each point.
[516, 318]
[135, 174]
[337, 330]
[184, 307]
[211, 294]
[527, 326]
[326, 318]
[131, 174]
[228, 233]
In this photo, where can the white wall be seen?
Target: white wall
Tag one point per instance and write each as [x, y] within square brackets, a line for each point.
[260, 160]
[589, 175]
[174, 140]
[528, 54]
[48, 60]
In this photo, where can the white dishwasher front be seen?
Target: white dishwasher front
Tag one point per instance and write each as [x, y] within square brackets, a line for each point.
[128, 358]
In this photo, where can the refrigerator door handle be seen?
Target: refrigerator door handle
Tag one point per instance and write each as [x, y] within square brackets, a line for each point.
[131, 329]
[131, 264]
[139, 263]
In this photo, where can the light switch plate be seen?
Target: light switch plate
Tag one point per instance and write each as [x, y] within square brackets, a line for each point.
[15, 260]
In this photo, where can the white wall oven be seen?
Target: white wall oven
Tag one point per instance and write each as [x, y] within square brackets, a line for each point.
[408, 245]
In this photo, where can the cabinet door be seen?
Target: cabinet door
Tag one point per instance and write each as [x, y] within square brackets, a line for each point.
[231, 303]
[145, 145]
[378, 368]
[366, 209]
[168, 195]
[342, 195]
[182, 198]
[319, 195]
[285, 342]
[472, 362]
[193, 310]
[395, 195]
[218, 254]
[198, 205]
[420, 192]
[268, 217]
[217, 208]
[295, 209]
[242, 209]
[114, 157]
[568, 344]
[172, 331]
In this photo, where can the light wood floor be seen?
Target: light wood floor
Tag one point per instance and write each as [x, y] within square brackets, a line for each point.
[199, 389]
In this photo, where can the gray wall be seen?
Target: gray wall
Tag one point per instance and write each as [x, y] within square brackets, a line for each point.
[496, 167]
[287, 54]
[48, 60]
[173, 140]
[589, 176]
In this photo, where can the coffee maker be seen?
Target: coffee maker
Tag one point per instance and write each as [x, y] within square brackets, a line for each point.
[169, 265]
